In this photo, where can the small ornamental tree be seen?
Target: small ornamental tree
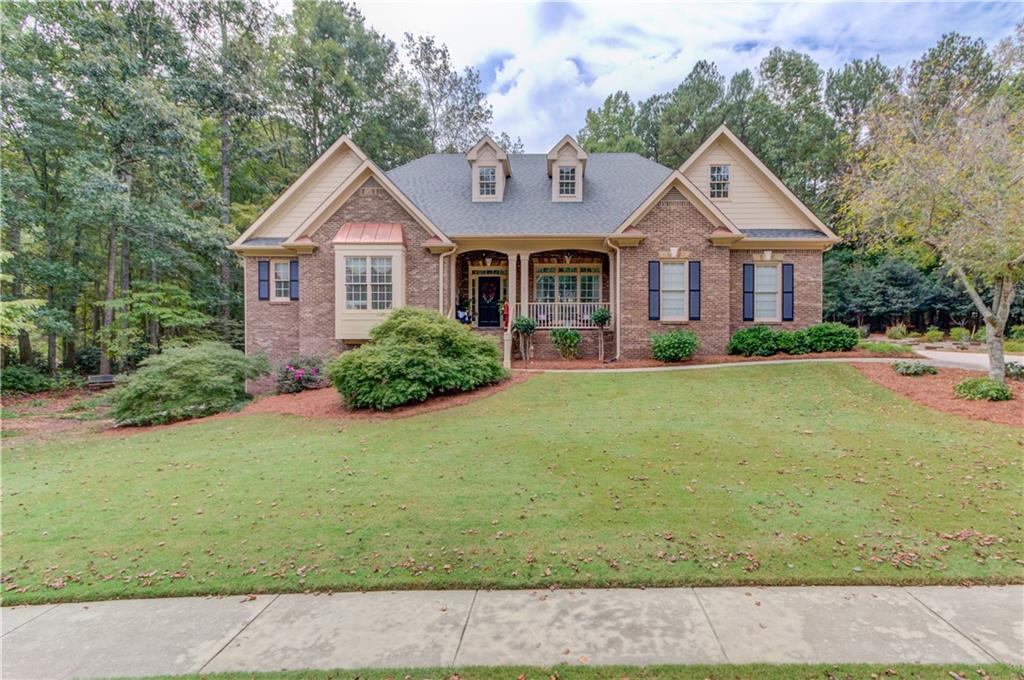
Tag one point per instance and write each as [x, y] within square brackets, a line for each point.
[940, 168]
[601, 317]
[524, 328]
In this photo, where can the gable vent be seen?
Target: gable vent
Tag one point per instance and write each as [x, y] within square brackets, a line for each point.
[674, 196]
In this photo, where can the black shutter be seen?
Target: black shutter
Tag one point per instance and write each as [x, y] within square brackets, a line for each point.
[293, 285]
[263, 270]
[748, 292]
[694, 288]
[654, 290]
[787, 292]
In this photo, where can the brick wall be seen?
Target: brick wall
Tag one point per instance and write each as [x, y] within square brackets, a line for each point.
[807, 285]
[282, 329]
[675, 222]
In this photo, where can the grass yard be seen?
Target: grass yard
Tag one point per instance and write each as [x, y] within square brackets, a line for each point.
[719, 672]
[778, 474]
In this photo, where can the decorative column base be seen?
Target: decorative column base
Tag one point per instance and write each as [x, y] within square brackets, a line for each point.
[507, 342]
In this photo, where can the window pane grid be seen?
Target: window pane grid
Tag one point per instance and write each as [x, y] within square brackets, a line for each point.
[488, 182]
[369, 283]
[719, 181]
[282, 280]
[673, 290]
[567, 181]
[766, 288]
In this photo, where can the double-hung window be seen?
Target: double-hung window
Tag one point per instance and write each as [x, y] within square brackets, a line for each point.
[368, 282]
[282, 280]
[567, 181]
[673, 291]
[766, 292]
[488, 180]
[580, 283]
[719, 181]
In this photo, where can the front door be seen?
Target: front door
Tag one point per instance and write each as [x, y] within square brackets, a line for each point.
[488, 301]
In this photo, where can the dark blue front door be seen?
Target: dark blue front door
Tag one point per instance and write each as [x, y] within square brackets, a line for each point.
[488, 301]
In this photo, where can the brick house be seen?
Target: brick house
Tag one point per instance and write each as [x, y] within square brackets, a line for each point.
[715, 245]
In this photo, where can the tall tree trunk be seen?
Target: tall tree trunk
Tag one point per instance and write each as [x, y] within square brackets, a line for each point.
[108, 310]
[152, 323]
[51, 340]
[125, 288]
[225, 181]
[994, 318]
[24, 340]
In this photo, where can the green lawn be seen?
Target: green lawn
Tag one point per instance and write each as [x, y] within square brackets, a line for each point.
[721, 672]
[784, 474]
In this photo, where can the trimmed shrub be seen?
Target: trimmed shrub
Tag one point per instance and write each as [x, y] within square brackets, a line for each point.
[897, 331]
[863, 331]
[1014, 370]
[831, 337]
[759, 341]
[674, 345]
[601, 317]
[913, 368]
[959, 334]
[186, 382]
[567, 342]
[886, 348]
[23, 379]
[974, 389]
[793, 342]
[1016, 332]
[980, 334]
[299, 374]
[414, 354]
[933, 334]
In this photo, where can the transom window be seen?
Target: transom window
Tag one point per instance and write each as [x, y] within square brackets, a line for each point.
[282, 281]
[368, 282]
[574, 283]
[673, 291]
[488, 182]
[567, 181]
[766, 292]
[719, 181]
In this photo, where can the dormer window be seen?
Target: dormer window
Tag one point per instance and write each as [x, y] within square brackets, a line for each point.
[719, 181]
[567, 164]
[488, 182]
[489, 168]
[567, 181]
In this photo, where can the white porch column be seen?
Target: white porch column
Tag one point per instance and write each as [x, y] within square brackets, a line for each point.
[512, 290]
[524, 284]
[453, 289]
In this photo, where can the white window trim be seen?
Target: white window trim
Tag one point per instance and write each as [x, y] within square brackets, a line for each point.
[777, 318]
[728, 182]
[475, 272]
[499, 183]
[274, 297]
[685, 290]
[355, 324]
[583, 268]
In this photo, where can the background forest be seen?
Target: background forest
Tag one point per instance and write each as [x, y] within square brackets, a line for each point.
[140, 138]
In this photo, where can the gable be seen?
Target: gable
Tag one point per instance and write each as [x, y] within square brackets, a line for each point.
[752, 203]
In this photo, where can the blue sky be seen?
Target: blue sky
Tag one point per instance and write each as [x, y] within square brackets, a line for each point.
[544, 64]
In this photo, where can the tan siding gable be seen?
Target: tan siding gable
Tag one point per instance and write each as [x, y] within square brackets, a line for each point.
[752, 202]
[309, 197]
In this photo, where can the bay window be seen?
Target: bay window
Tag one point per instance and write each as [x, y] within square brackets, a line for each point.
[368, 282]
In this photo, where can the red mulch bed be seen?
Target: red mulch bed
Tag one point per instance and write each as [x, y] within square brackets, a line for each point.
[936, 391]
[556, 364]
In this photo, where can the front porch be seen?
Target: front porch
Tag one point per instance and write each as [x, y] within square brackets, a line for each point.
[561, 288]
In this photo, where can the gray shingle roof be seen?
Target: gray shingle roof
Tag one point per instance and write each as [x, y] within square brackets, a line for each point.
[614, 185]
[783, 233]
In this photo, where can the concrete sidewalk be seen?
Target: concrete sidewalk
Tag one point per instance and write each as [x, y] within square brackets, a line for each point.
[842, 624]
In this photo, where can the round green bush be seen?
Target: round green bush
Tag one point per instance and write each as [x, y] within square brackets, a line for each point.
[980, 334]
[299, 374]
[759, 341]
[913, 368]
[974, 389]
[601, 317]
[1016, 332]
[959, 334]
[674, 345]
[793, 342]
[933, 334]
[186, 382]
[831, 337]
[524, 325]
[567, 342]
[23, 379]
[413, 355]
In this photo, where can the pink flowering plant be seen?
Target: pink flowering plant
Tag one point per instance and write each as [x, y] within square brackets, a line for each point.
[300, 373]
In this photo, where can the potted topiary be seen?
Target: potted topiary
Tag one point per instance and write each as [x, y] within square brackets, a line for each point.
[600, 317]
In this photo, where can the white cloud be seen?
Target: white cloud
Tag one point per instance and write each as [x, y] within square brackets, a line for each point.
[558, 60]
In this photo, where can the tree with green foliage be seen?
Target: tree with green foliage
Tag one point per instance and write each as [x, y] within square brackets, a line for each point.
[942, 167]
[612, 127]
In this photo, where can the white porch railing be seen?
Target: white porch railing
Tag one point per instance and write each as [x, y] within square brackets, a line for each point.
[564, 314]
